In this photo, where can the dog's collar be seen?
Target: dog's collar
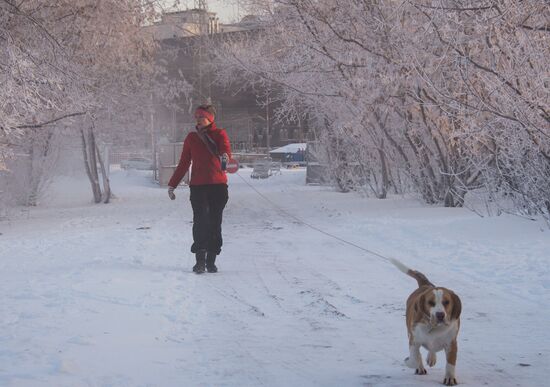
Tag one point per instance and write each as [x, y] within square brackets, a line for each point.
[430, 324]
[433, 326]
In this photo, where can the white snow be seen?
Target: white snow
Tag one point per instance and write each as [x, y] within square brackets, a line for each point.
[103, 295]
[290, 148]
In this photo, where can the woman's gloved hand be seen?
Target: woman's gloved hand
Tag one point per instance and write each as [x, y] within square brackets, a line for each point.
[171, 193]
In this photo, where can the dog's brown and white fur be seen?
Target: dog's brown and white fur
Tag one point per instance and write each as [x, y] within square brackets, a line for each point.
[433, 321]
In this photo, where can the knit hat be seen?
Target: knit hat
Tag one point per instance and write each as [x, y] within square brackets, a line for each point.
[205, 111]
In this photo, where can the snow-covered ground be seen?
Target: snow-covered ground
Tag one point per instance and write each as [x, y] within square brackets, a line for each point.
[103, 295]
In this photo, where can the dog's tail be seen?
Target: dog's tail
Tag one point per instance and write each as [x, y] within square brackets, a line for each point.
[418, 276]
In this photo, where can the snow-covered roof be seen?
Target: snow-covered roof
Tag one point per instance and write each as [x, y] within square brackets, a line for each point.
[290, 148]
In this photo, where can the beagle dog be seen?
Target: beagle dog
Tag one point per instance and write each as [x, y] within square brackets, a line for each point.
[433, 321]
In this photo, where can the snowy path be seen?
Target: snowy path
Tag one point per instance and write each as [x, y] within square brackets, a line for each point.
[104, 295]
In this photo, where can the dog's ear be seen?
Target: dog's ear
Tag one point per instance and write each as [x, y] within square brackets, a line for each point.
[420, 301]
[457, 306]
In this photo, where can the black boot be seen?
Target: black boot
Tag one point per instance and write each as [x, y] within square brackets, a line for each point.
[201, 261]
[211, 262]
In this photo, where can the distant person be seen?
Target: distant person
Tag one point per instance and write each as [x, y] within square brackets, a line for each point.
[207, 148]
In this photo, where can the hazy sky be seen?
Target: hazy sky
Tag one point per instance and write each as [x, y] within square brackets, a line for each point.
[228, 11]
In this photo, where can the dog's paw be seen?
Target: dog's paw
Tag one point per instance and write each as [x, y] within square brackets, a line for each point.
[410, 363]
[421, 371]
[450, 381]
[431, 359]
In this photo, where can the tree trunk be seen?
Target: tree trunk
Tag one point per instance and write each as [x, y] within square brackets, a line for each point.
[384, 171]
[40, 162]
[32, 195]
[449, 199]
[90, 163]
[106, 185]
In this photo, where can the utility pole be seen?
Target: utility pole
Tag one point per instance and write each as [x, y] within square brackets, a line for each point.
[201, 7]
[268, 143]
[153, 138]
[174, 130]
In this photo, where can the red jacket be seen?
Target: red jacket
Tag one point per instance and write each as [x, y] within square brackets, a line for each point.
[206, 166]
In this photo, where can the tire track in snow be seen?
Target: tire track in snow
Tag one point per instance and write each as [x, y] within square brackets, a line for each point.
[314, 288]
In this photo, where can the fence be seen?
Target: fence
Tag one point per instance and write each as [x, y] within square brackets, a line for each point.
[168, 158]
[116, 156]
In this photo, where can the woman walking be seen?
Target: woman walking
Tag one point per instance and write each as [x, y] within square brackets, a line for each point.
[207, 149]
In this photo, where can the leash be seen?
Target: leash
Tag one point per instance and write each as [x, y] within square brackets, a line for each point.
[314, 227]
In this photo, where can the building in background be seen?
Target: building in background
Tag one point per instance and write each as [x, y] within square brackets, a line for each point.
[290, 153]
[184, 24]
[185, 38]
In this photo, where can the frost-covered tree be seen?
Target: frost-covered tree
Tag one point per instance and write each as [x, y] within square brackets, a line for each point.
[79, 59]
[441, 97]
[492, 89]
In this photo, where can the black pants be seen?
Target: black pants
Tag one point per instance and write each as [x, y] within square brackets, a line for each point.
[208, 202]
